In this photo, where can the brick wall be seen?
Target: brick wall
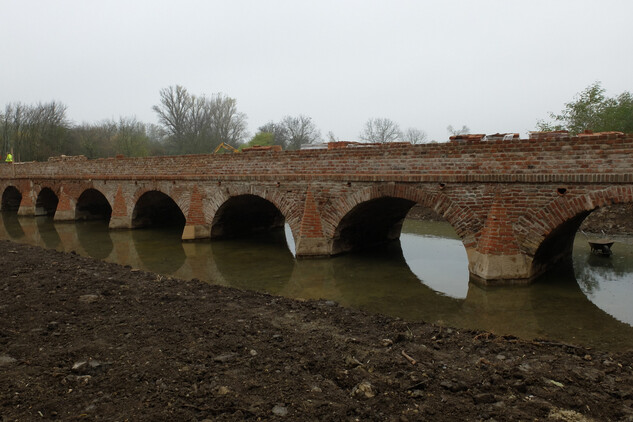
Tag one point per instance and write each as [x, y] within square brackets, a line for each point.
[591, 158]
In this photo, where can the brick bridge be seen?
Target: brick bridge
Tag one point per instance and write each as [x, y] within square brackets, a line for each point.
[515, 204]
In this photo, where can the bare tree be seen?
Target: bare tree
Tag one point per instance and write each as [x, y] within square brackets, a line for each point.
[331, 137]
[227, 124]
[380, 130]
[174, 114]
[301, 130]
[130, 138]
[454, 131]
[278, 131]
[414, 136]
[199, 124]
[35, 132]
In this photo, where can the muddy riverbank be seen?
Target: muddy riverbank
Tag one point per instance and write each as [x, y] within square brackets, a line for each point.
[82, 339]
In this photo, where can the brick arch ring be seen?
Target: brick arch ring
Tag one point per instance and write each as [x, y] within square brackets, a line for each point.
[285, 206]
[563, 209]
[182, 202]
[458, 216]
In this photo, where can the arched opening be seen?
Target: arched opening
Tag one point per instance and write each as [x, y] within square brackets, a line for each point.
[46, 203]
[244, 215]
[371, 223]
[11, 199]
[156, 209]
[557, 245]
[92, 205]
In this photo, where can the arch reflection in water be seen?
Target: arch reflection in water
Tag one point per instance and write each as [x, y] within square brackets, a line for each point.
[261, 262]
[378, 281]
[160, 249]
[94, 238]
[48, 232]
[12, 226]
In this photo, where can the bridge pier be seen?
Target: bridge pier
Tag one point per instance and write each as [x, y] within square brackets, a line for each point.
[311, 247]
[489, 269]
[196, 231]
[27, 210]
[118, 222]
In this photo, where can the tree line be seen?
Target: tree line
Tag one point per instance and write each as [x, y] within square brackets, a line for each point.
[194, 124]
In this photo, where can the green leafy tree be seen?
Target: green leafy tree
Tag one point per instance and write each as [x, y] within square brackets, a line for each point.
[592, 110]
[260, 139]
[278, 131]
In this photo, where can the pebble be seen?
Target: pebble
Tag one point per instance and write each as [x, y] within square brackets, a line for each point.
[386, 342]
[364, 389]
[6, 360]
[88, 298]
[223, 390]
[224, 358]
[280, 410]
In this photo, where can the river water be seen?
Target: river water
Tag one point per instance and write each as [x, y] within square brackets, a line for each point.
[424, 277]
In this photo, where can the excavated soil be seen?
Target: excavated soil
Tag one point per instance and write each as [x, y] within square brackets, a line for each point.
[82, 339]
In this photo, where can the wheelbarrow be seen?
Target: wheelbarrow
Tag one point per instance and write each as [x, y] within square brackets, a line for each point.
[601, 246]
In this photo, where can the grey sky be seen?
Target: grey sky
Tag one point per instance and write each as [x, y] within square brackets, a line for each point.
[496, 65]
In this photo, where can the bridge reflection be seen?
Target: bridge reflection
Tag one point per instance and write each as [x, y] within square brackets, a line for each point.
[380, 281]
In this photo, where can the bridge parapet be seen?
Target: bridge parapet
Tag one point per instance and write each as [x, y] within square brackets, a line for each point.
[538, 160]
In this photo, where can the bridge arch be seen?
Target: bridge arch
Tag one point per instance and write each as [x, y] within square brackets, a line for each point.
[245, 214]
[46, 202]
[285, 209]
[155, 208]
[11, 199]
[552, 230]
[92, 204]
[375, 214]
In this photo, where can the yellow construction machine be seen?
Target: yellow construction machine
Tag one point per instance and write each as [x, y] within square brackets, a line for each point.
[225, 147]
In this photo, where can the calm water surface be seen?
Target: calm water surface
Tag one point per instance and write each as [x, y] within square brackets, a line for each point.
[425, 277]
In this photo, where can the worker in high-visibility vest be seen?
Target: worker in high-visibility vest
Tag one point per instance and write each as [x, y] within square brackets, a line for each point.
[9, 158]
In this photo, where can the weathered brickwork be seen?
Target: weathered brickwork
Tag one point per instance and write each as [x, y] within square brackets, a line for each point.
[509, 201]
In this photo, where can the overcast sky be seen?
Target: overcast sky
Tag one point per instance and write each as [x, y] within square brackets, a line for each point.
[495, 65]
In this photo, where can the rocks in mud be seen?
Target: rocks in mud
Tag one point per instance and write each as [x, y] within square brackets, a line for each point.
[363, 390]
[280, 410]
[386, 342]
[352, 362]
[454, 386]
[90, 367]
[88, 298]
[484, 398]
[225, 358]
[6, 360]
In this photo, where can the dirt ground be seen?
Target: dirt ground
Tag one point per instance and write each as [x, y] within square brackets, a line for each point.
[82, 339]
